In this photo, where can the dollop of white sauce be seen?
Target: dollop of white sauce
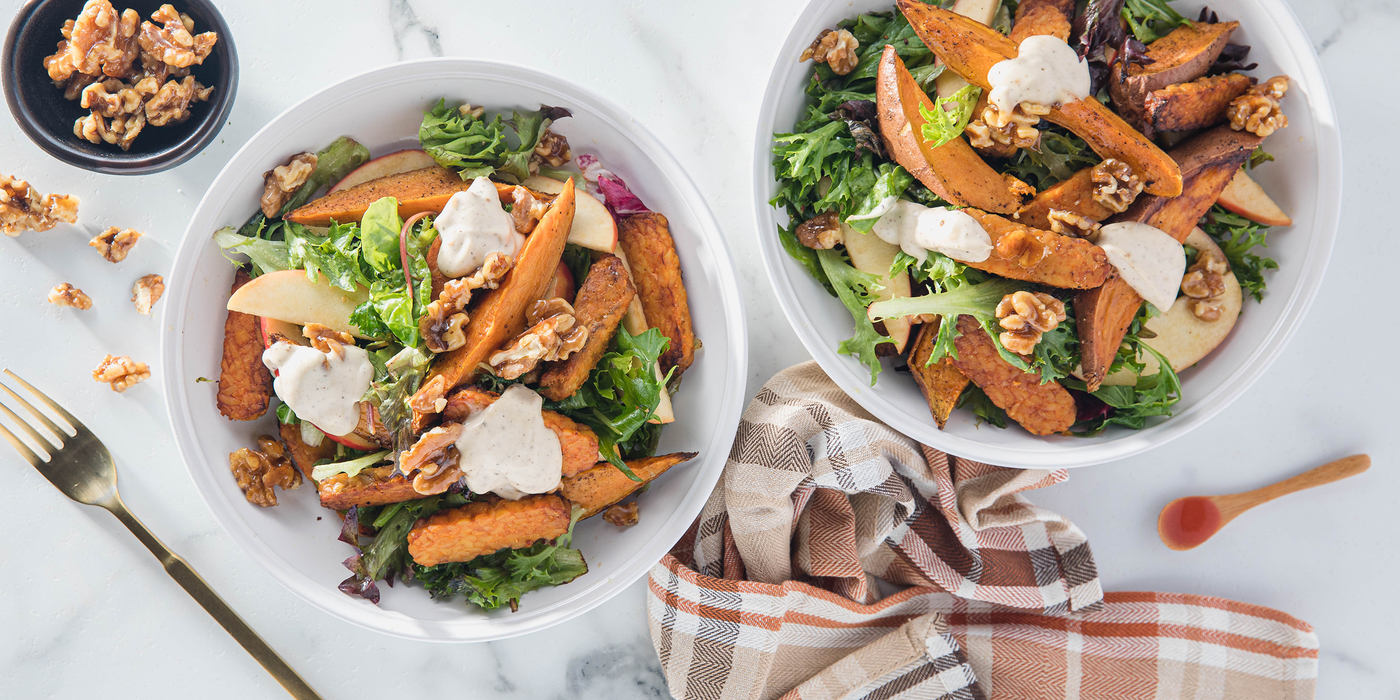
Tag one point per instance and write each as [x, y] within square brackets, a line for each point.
[1046, 71]
[472, 226]
[322, 388]
[917, 229]
[507, 449]
[1148, 259]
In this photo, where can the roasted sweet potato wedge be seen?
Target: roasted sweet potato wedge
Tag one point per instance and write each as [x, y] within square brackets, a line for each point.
[1043, 18]
[1179, 57]
[500, 315]
[1042, 409]
[1074, 195]
[656, 271]
[425, 190]
[245, 384]
[463, 534]
[1034, 255]
[953, 171]
[577, 441]
[941, 383]
[603, 485]
[971, 48]
[1198, 104]
[598, 306]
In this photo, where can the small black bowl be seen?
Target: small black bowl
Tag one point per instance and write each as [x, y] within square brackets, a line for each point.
[47, 118]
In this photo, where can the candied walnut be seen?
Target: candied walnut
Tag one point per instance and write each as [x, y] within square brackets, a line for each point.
[113, 98]
[836, 48]
[171, 42]
[432, 461]
[1115, 184]
[67, 295]
[1069, 223]
[489, 275]
[281, 182]
[1015, 129]
[467, 110]
[553, 150]
[1204, 282]
[622, 515]
[115, 244]
[120, 131]
[1022, 247]
[1207, 310]
[553, 335]
[146, 292]
[1024, 316]
[100, 41]
[328, 340]
[527, 210]
[443, 328]
[24, 209]
[172, 101]
[258, 471]
[432, 398]
[1257, 110]
[821, 232]
[121, 372]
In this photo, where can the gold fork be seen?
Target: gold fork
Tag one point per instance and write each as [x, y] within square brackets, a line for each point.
[82, 468]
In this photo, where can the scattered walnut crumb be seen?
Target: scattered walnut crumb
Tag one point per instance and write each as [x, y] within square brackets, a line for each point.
[146, 292]
[121, 372]
[1258, 110]
[257, 471]
[67, 295]
[552, 150]
[553, 335]
[1115, 184]
[115, 244]
[1068, 223]
[24, 209]
[821, 232]
[327, 340]
[836, 48]
[281, 182]
[1025, 316]
[621, 515]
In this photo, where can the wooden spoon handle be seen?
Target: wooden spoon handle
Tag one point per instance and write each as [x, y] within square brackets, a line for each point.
[1325, 474]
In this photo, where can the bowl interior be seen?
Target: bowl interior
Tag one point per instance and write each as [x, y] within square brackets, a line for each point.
[47, 117]
[296, 541]
[1305, 180]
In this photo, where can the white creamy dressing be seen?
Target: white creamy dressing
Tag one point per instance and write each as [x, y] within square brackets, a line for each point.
[917, 229]
[322, 388]
[1046, 71]
[507, 449]
[1148, 259]
[472, 226]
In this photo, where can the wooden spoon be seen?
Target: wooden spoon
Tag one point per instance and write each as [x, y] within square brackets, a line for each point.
[1187, 522]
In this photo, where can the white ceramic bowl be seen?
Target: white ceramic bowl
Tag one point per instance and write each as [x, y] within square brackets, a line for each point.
[1306, 180]
[382, 109]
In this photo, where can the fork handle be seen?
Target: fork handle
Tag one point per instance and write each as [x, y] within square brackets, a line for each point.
[188, 579]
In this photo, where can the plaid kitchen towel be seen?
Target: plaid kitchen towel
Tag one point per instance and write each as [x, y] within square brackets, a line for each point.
[776, 591]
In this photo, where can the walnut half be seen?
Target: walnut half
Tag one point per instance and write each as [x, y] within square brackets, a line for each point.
[1258, 110]
[821, 232]
[553, 335]
[115, 244]
[23, 209]
[1203, 283]
[1016, 129]
[121, 372]
[146, 292]
[257, 471]
[1115, 184]
[281, 182]
[67, 295]
[1025, 316]
[432, 461]
[836, 48]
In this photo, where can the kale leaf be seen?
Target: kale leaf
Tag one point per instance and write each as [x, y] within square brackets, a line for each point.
[1237, 238]
[856, 290]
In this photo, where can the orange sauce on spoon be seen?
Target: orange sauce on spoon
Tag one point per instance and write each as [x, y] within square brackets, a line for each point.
[1187, 522]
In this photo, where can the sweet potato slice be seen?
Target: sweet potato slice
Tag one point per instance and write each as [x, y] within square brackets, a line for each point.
[577, 442]
[656, 271]
[463, 534]
[1195, 105]
[941, 383]
[245, 384]
[303, 456]
[1179, 57]
[971, 48]
[425, 190]
[1074, 195]
[1042, 409]
[1042, 18]
[1102, 315]
[1024, 253]
[371, 487]
[500, 315]
[953, 171]
[604, 484]
[601, 301]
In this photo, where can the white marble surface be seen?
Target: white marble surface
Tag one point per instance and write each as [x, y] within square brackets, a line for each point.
[85, 611]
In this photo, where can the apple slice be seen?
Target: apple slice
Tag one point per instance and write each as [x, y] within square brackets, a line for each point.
[984, 11]
[873, 256]
[594, 227]
[289, 296]
[384, 166]
[1245, 197]
[563, 287]
[271, 327]
[355, 441]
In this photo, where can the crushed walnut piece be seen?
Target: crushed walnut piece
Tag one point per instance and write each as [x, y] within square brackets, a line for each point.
[622, 515]
[146, 292]
[24, 209]
[836, 48]
[432, 398]
[1115, 184]
[444, 320]
[527, 210]
[821, 232]
[328, 340]
[258, 471]
[553, 335]
[552, 150]
[1203, 283]
[489, 275]
[67, 295]
[281, 182]
[1025, 316]
[467, 110]
[432, 461]
[1258, 110]
[121, 372]
[1015, 129]
[1068, 223]
[115, 244]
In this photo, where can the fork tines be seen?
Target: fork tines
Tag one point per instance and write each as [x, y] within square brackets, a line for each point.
[46, 444]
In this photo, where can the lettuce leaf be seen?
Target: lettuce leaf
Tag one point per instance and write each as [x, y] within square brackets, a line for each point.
[856, 290]
[379, 235]
[1237, 238]
[266, 256]
[332, 163]
[949, 116]
[480, 148]
[890, 182]
[387, 554]
[1151, 20]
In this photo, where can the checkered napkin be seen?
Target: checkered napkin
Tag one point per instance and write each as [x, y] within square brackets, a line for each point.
[774, 592]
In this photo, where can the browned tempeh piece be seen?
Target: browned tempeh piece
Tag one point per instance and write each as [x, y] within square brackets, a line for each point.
[1034, 255]
[941, 383]
[1042, 409]
[372, 487]
[303, 456]
[577, 442]
[656, 270]
[603, 485]
[245, 384]
[1042, 18]
[1179, 57]
[1195, 105]
[599, 306]
[463, 534]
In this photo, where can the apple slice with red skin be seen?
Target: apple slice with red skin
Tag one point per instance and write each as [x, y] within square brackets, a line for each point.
[593, 227]
[384, 166]
[271, 328]
[355, 441]
[1245, 197]
[288, 295]
[564, 285]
